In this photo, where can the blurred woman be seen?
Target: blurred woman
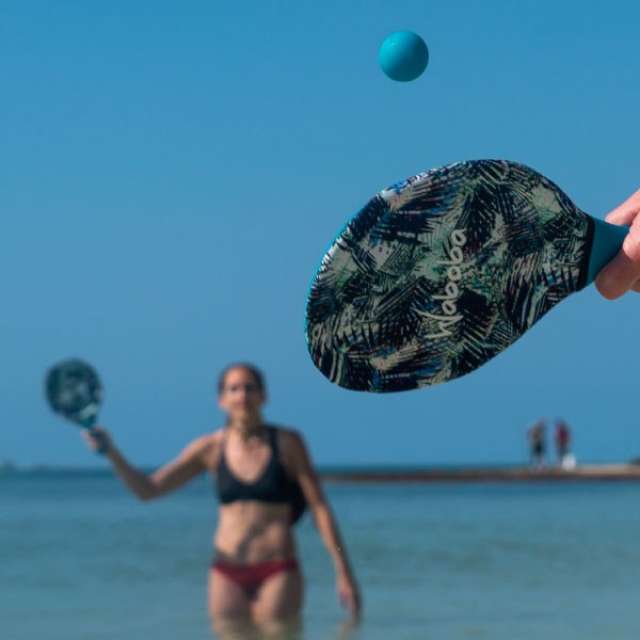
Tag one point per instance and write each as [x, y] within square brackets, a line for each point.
[264, 477]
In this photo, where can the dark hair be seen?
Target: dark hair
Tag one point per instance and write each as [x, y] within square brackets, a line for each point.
[256, 374]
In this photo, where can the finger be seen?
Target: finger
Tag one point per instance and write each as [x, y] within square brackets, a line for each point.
[347, 603]
[617, 277]
[87, 437]
[636, 286]
[626, 212]
[624, 270]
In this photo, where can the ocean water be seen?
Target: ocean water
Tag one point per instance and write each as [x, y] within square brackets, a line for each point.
[81, 559]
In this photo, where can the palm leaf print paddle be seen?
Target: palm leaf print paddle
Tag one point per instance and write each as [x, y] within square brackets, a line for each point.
[439, 273]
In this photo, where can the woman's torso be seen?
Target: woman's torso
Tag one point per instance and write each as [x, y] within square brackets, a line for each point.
[254, 521]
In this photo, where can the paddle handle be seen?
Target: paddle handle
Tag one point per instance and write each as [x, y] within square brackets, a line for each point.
[607, 241]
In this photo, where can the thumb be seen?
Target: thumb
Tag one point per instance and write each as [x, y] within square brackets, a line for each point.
[623, 271]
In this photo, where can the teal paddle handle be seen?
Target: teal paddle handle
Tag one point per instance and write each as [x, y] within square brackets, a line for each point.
[607, 241]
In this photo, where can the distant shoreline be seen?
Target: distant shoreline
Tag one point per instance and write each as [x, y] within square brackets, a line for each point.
[490, 474]
[388, 474]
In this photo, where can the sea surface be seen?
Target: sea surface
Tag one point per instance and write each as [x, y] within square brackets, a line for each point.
[81, 559]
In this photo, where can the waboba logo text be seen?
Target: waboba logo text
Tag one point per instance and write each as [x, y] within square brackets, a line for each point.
[449, 303]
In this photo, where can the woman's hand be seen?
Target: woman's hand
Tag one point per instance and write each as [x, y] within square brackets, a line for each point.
[349, 594]
[98, 439]
[623, 272]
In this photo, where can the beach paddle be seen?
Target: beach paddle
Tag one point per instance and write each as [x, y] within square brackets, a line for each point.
[74, 391]
[439, 273]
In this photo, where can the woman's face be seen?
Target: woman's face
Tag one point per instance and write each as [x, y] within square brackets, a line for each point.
[241, 397]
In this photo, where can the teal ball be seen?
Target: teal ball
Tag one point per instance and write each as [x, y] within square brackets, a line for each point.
[403, 56]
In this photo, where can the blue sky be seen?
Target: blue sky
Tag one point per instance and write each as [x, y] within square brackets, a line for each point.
[173, 172]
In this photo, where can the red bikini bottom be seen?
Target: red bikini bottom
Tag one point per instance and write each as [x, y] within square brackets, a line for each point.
[251, 576]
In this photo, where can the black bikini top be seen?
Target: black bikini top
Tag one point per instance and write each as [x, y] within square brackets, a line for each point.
[273, 485]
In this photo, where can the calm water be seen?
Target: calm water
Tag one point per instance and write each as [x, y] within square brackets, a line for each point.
[80, 559]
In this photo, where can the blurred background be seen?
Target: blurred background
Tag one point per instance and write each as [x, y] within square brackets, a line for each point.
[171, 177]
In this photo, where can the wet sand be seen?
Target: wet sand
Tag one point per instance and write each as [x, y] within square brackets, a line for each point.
[487, 474]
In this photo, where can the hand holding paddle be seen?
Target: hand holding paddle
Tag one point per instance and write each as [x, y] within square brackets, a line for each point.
[623, 272]
[98, 439]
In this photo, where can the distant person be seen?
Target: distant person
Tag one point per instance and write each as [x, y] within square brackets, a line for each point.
[537, 442]
[263, 476]
[566, 459]
[562, 439]
[623, 272]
